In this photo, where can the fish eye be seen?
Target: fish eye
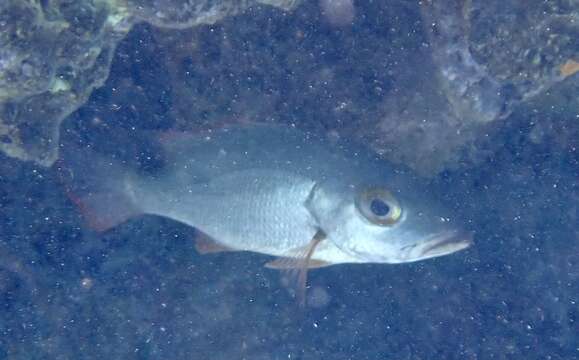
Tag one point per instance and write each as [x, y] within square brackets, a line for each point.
[379, 206]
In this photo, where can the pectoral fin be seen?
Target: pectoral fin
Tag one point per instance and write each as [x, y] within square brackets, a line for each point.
[301, 262]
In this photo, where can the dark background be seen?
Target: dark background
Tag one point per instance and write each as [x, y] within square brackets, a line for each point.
[140, 291]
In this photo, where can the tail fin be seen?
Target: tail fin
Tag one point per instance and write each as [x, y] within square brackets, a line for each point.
[98, 185]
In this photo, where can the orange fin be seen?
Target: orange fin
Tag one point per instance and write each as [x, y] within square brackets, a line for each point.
[298, 265]
[206, 245]
[97, 185]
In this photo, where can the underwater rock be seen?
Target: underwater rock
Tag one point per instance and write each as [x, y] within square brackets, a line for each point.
[179, 14]
[421, 91]
[417, 93]
[526, 49]
[491, 59]
[54, 53]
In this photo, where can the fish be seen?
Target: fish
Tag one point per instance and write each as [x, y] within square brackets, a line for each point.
[307, 200]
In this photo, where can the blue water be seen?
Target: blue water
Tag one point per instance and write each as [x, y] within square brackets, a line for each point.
[140, 291]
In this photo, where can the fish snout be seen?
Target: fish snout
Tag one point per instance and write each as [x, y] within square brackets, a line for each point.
[442, 244]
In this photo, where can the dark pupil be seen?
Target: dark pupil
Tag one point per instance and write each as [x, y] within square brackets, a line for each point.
[379, 207]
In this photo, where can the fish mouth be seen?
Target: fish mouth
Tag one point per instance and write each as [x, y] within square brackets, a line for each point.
[444, 244]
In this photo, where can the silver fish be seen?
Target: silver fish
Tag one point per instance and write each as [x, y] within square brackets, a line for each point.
[277, 191]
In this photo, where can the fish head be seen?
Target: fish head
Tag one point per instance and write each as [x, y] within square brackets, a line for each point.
[391, 223]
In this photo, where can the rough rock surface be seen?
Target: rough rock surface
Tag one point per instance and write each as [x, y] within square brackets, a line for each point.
[179, 14]
[54, 53]
[426, 86]
[492, 58]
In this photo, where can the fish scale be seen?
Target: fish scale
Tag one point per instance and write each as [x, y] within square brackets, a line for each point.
[246, 210]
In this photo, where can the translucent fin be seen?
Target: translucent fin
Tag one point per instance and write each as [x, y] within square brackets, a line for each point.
[97, 186]
[172, 138]
[297, 266]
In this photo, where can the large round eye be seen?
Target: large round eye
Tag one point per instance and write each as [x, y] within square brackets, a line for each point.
[379, 206]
